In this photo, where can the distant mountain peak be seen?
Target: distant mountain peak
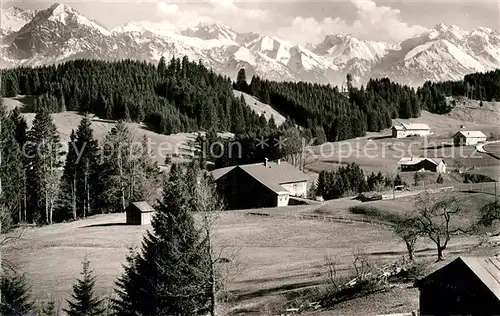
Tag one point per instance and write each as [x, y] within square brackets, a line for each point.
[13, 18]
[60, 33]
[64, 14]
[441, 27]
[13, 10]
[210, 31]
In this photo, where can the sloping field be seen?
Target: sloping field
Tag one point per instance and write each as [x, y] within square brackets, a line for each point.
[272, 257]
[161, 145]
[261, 108]
[471, 111]
[444, 126]
[380, 152]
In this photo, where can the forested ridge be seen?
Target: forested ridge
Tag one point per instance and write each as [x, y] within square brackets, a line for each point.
[178, 96]
[322, 108]
[325, 110]
[478, 86]
[185, 96]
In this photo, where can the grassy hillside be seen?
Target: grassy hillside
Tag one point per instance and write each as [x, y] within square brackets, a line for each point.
[261, 108]
[162, 145]
[273, 257]
[379, 152]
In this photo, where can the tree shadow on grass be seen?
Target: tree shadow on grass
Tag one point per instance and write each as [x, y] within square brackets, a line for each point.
[107, 225]
[440, 146]
[380, 137]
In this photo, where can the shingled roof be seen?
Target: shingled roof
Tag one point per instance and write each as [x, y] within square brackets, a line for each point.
[411, 127]
[472, 134]
[143, 206]
[486, 269]
[416, 160]
[272, 175]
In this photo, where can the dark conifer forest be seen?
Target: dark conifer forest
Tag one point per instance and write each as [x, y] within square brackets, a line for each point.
[179, 96]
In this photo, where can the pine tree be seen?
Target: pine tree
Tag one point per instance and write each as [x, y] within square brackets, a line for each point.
[147, 175]
[349, 82]
[20, 127]
[68, 180]
[162, 66]
[11, 85]
[15, 296]
[87, 168]
[11, 169]
[116, 168]
[169, 275]
[241, 81]
[84, 302]
[80, 186]
[43, 161]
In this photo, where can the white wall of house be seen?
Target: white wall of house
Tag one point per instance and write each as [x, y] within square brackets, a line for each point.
[406, 133]
[282, 200]
[462, 140]
[296, 189]
[441, 168]
[146, 218]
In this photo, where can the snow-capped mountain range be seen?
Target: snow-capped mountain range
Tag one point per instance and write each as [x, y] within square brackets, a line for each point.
[61, 33]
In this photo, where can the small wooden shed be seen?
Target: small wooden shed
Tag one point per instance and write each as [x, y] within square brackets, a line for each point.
[139, 213]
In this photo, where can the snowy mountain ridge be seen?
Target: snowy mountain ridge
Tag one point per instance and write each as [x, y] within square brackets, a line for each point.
[60, 33]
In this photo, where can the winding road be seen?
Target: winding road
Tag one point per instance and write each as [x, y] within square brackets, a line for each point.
[492, 148]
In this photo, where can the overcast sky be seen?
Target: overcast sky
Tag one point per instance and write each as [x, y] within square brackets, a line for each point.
[297, 21]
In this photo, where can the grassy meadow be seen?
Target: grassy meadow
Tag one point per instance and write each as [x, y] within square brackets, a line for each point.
[272, 258]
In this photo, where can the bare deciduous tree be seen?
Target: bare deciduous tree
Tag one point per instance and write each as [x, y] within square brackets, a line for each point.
[362, 265]
[408, 231]
[435, 218]
[209, 206]
[331, 270]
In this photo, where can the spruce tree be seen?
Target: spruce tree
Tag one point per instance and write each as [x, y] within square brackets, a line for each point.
[11, 85]
[83, 300]
[162, 66]
[11, 169]
[169, 274]
[68, 181]
[21, 134]
[20, 127]
[116, 169]
[146, 178]
[15, 296]
[241, 81]
[43, 161]
[87, 168]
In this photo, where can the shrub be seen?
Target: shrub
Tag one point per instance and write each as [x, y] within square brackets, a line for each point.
[439, 179]
[417, 178]
[476, 178]
[410, 273]
[375, 213]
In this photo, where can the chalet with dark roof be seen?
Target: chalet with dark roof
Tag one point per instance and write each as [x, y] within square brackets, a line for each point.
[267, 184]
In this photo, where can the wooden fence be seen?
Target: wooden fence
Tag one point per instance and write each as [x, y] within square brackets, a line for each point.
[324, 218]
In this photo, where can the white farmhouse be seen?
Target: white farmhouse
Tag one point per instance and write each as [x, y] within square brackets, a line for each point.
[468, 138]
[412, 129]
